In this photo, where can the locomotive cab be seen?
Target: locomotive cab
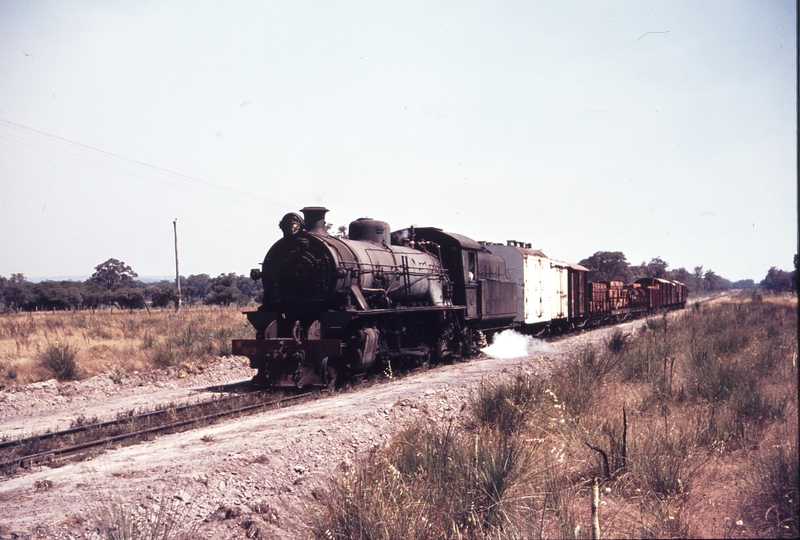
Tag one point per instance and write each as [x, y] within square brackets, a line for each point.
[480, 280]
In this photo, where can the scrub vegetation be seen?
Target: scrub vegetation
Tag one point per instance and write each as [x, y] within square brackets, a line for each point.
[71, 345]
[689, 423]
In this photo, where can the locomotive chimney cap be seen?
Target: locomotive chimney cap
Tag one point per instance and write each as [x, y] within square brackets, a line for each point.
[315, 219]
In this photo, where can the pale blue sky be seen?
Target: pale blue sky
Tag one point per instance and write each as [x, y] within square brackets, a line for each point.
[652, 128]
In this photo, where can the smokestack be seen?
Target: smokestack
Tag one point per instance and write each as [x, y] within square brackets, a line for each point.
[314, 217]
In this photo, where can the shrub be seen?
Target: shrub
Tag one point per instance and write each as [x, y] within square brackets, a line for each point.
[617, 341]
[775, 499]
[61, 360]
[559, 498]
[430, 482]
[701, 403]
[506, 405]
[165, 356]
[576, 384]
[222, 337]
[163, 516]
[662, 460]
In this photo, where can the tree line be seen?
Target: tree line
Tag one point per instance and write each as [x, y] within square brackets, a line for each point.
[614, 266]
[114, 284]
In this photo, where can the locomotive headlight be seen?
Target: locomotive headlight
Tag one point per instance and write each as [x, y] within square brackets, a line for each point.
[291, 224]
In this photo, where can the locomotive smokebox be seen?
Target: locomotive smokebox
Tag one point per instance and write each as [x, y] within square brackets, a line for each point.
[315, 219]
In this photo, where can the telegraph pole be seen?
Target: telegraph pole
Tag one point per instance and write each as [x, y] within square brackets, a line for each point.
[177, 273]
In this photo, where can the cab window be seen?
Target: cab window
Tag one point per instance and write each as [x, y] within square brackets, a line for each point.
[471, 267]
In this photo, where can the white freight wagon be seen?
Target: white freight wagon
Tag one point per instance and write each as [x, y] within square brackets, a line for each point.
[543, 284]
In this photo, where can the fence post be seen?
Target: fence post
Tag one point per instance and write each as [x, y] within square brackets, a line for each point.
[595, 505]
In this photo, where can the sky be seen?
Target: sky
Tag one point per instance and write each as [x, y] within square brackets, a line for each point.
[659, 129]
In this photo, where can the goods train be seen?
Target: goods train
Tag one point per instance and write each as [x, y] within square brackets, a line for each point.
[339, 307]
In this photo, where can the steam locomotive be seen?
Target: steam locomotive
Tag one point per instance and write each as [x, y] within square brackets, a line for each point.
[378, 299]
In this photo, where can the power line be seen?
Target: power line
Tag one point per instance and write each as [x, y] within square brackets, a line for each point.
[200, 186]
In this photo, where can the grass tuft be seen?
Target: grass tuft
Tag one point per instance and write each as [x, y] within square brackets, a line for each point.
[505, 406]
[775, 499]
[164, 516]
[618, 341]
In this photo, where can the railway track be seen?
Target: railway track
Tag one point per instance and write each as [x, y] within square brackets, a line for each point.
[61, 445]
[77, 441]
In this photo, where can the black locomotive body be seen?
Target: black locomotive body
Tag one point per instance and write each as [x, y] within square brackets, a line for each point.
[378, 299]
[343, 306]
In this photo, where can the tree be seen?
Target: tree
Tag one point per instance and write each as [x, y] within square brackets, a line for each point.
[162, 294]
[196, 287]
[713, 282]
[608, 266]
[698, 278]
[128, 298]
[248, 287]
[779, 281]
[682, 275]
[689, 279]
[94, 294]
[17, 295]
[225, 292]
[657, 268]
[341, 230]
[60, 295]
[113, 274]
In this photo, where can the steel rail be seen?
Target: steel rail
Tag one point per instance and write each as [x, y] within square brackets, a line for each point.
[108, 423]
[31, 459]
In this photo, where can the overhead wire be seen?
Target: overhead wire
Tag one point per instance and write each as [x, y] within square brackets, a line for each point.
[132, 167]
[36, 139]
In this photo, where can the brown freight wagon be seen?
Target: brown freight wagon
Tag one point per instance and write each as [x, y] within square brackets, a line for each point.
[597, 297]
[578, 293]
[670, 293]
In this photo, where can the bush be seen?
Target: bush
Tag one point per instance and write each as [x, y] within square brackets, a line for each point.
[61, 360]
[431, 482]
[662, 460]
[505, 406]
[164, 356]
[774, 501]
[618, 341]
[161, 516]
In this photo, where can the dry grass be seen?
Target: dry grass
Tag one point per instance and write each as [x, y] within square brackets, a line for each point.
[151, 515]
[690, 423]
[120, 341]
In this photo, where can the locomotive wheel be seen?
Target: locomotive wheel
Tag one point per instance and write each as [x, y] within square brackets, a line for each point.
[441, 350]
[260, 378]
[468, 346]
[328, 374]
[423, 362]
